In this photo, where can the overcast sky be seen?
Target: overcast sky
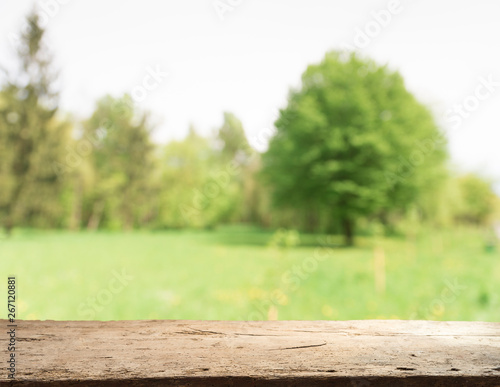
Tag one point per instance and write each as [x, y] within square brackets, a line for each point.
[244, 55]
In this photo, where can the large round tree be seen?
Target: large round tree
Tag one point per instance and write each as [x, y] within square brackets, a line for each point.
[353, 141]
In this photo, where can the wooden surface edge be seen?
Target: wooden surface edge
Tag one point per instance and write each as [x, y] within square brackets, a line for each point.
[272, 353]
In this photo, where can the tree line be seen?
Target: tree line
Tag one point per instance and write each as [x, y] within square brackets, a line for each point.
[353, 147]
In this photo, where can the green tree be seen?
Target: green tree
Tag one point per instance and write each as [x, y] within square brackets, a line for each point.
[185, 167]
[32, 139]
[479, 201]
[353, 142]
[235, 150]
[122, 164]
[199, 186]
[231, 138]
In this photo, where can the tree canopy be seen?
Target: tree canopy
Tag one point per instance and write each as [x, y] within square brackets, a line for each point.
[353, 149]
[353, 142]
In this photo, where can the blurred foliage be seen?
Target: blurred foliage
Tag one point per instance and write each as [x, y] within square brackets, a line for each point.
[354, 152]
[341, 139]
[478, 201]
[204, 181]
[121, 165]
[284, 239]
[196, 191]
[32, 138]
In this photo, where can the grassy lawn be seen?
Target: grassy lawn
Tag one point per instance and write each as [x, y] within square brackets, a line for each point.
[233, 274]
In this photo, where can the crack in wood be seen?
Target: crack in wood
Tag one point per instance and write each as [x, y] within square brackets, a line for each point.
[300, 347]
[205, 332]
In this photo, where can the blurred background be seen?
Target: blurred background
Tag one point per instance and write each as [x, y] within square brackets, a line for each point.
[228, 159]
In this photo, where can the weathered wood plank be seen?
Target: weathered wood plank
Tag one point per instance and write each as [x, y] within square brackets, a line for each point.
[274, 353]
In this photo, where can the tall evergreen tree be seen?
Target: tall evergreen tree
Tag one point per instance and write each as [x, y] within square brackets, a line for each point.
[31, 138]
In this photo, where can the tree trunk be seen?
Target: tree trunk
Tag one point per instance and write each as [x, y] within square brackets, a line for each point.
[127, 213]
[8, 228]
[76, 214]
[312, 220]
[348, 230]
[95, 218]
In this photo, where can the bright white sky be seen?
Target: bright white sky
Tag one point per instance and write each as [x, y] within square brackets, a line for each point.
[246, 62]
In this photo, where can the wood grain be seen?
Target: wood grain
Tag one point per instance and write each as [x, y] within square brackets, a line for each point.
[271, 353]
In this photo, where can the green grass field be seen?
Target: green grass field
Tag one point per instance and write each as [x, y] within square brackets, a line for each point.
[233, 273]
